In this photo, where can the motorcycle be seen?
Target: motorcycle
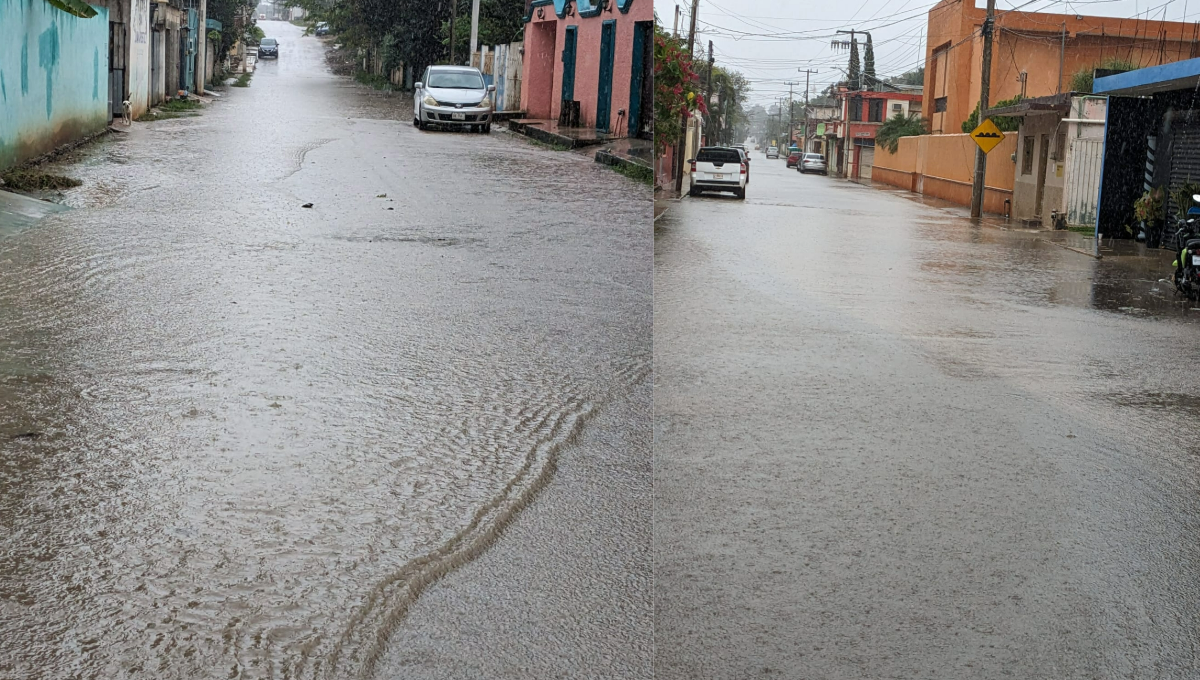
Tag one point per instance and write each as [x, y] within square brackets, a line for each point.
[1187, 260]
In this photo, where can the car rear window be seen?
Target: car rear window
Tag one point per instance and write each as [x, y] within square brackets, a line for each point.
[812, 156]
[719, 156]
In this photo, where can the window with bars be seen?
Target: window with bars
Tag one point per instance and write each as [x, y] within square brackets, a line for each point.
[856, 106]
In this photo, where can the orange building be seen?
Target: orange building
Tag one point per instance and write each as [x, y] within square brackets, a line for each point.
[1033, 54]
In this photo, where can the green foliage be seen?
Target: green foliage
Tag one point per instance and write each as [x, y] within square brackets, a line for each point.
[913, 77]
[855, 70]
[225, 11]
[30, 180]
[243, 80]
[77, 8]
[869, 78]
[676, 88]
[1183, 196]
[379, 82]
[1005, 123]
[254, 34]
[1082, 80]
[888, 135]
[1148, 208]
[178, 105]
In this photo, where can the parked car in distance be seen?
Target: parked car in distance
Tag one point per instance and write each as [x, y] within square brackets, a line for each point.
[772, 152]
[745, 159]
[812, 162]
[322, 29]
[262, 17]
[269, 47]
[719, 168]
[453, 96]
[793, 158]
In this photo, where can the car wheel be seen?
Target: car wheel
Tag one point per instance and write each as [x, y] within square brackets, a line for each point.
[740, 193]
[693, 191]
[487, 128]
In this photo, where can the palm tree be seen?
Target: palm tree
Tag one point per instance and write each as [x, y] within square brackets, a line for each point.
[888, 135]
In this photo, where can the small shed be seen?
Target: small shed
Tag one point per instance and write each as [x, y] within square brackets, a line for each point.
[1059, 157]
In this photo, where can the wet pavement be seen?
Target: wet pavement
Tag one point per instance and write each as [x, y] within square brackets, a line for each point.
[891, 444]
[401, 429]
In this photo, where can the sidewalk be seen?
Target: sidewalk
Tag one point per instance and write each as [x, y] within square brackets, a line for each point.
[18, 212]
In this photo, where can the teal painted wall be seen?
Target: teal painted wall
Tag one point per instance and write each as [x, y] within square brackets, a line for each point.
[53, 78]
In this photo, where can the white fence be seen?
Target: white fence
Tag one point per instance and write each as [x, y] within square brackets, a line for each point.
[501, 66]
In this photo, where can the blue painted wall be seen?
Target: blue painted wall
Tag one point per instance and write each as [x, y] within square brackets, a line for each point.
[53, 78]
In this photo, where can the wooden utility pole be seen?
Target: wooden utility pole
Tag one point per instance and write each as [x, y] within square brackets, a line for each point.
[683, 142]
[807, 73]
[708, 90]
[985, 83]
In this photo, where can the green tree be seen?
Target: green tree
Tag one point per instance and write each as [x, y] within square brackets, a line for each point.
[1082, 80]
[888, 135]
[869, 79]
[855, 71]
[676, 89]
[1005, 123]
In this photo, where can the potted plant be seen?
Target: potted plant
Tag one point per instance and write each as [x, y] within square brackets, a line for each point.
[1148, 210]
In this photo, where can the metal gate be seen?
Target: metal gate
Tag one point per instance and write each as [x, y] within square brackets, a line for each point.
[117, 49]
[866, 161]
[1083, 181]
[188, 49]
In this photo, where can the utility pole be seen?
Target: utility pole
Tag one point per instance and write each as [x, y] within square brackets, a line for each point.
[708, 88]
[985, 83]
[791, 118]
[683, 143]
[676, 31]
[475, 32]
[807, 73]
[1062, 51]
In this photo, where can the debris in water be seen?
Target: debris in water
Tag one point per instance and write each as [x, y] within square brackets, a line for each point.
[306, 205]
[381, 196]
[27, 435]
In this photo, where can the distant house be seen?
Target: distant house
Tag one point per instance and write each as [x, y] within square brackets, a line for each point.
[590, 63]
[862, 112]
[1035, 54]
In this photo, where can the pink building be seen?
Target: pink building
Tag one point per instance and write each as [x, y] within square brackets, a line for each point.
[597, 55]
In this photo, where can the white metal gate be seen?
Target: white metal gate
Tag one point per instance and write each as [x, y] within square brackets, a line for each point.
[866, 161]
[1083, 181]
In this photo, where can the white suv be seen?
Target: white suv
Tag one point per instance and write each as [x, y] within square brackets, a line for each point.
[719, 168]
[772, 152]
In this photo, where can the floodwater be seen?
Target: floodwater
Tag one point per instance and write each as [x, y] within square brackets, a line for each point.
[244, 439]
[891, 444]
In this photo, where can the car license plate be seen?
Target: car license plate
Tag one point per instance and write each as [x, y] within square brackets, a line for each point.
[458, 116]
[1196, 260]
[718, 176]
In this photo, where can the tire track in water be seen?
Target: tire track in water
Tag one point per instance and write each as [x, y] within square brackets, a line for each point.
[358, 649]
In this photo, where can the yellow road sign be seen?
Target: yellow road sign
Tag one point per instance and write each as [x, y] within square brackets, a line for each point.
[987, 135]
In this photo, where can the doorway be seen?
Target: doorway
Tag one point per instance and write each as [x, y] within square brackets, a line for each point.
[641, 80]
[117, 37]
[570, 40]
[539, 70]
[608, 36]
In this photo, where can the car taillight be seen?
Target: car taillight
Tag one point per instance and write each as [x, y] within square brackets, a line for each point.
[693, 166]
[743, 168]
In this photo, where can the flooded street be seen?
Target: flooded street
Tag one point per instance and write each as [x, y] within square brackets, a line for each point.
[403, 429]
[890, 444]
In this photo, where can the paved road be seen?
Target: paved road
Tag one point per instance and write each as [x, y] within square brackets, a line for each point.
[889, 444]
[240, 438]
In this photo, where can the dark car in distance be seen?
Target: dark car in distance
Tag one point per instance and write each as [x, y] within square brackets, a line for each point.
[269, 47]
[322, 29]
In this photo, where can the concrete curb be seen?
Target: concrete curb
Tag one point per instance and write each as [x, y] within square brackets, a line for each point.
[536, 133]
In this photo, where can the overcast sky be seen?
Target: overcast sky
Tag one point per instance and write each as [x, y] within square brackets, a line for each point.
[768, 40]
